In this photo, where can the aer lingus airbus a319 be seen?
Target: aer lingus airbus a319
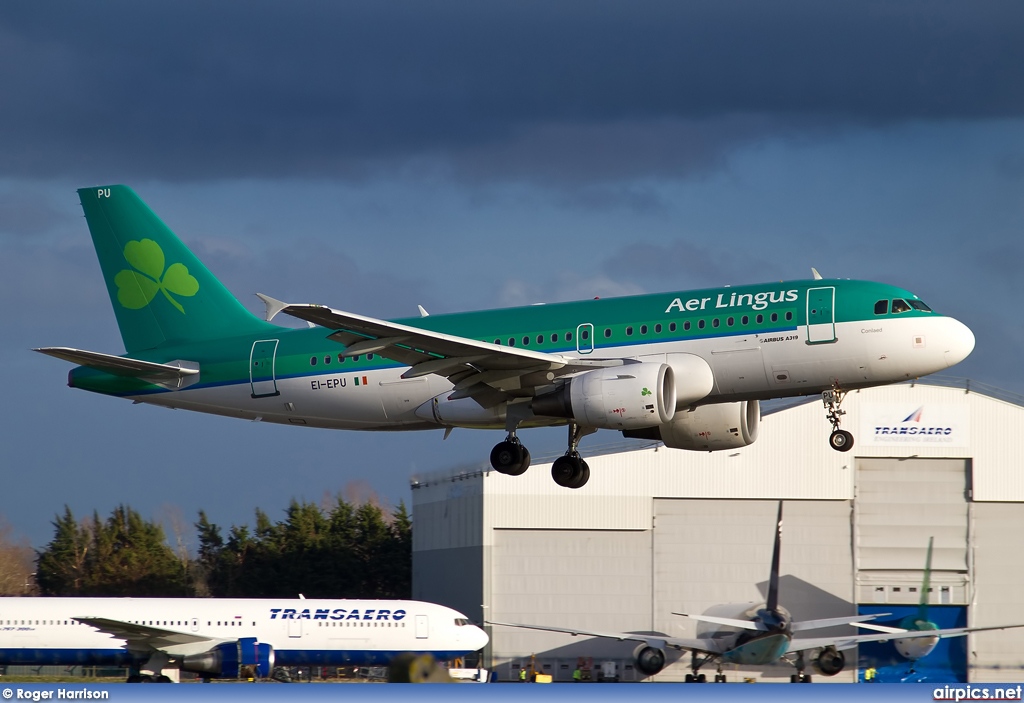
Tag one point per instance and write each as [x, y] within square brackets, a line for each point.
[686, 368]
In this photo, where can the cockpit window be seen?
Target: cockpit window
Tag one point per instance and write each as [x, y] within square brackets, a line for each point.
[881, 307]
[899, 305]
[462, 622]
[918, 305]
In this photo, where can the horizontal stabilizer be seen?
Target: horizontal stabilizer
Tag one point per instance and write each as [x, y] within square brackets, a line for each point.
[169, 375]
[731, 622]
[835, 622]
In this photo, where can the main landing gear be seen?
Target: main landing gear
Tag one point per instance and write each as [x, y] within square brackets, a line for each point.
[697, 677]
[840, 440]
[799, 676]
[570, 470]
[510, 457]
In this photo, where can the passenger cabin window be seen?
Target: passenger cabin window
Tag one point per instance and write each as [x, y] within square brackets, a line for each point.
[882, 307]
[584, 334]
[899, 305]
[629, 331]
[643, 329]
[607, 332]
[657, 329]
[672, 326]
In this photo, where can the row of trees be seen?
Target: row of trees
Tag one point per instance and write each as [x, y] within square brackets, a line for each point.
[339, 551]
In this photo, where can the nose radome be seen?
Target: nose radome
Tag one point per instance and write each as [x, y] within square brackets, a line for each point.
[479, 639]
[959, 342]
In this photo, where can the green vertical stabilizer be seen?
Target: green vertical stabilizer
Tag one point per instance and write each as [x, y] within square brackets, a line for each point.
[161, 293]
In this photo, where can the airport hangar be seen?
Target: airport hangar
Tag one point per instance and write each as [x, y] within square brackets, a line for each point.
[658, 530]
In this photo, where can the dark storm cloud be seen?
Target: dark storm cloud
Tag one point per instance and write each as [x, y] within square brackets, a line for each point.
[218, 90]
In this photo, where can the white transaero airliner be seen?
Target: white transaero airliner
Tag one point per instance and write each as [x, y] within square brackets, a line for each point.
[752, 634]
[157, 638]
[686, 368]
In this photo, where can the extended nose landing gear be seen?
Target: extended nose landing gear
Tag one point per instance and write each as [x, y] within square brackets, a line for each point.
[510, 457]
[840, 440]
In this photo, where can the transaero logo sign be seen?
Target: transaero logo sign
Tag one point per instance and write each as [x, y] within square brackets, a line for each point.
[920, 425]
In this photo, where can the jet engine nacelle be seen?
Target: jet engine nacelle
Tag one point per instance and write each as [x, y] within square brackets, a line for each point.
[830, 661]
[617, 398]
[708, 428]
[226, 660]
[649, 660]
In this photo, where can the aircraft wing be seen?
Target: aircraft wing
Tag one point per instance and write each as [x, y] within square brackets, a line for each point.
[651, 640]
[801, 644]
[143, 637]
[476, 368]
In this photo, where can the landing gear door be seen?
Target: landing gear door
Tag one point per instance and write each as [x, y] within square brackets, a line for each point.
[821, 321]
[262, 376]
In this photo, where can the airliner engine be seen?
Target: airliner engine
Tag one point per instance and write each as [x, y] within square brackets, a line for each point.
[617, 398]
[830, 661]
[708, 428]
[649, 660]
[226, 660]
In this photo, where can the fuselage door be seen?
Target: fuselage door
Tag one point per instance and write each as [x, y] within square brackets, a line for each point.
[295, 628]
[585, 338]
[821, 321]
[261, 368]
[422, 629]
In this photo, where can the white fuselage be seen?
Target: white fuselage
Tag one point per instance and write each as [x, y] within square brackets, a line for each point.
[336, 632]
[745, 366]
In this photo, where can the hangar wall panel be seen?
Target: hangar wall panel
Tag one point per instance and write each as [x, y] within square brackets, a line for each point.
[452, 577]
[901, 503]
[997, 597]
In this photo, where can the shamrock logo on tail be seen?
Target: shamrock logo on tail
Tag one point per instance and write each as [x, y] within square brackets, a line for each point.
[136, 289]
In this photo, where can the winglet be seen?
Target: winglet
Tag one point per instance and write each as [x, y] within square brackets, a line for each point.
[274, 305]
[773, 581]
[814, 272]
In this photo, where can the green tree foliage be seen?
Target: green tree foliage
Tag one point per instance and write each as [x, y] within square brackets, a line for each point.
[343, 551]
[338, 551]
[122, 556]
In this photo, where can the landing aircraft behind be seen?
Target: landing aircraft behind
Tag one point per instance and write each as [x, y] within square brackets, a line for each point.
[686, 368]
[216, 637]
[755, 634]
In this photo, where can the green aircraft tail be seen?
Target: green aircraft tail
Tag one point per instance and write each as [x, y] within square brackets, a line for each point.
[161, 293]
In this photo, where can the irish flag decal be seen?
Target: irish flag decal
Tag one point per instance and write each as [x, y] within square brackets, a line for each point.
[360, 380]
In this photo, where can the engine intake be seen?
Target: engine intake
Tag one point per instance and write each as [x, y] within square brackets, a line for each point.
[830, 661]
[618, 398]
[649, 660]
[708, 428]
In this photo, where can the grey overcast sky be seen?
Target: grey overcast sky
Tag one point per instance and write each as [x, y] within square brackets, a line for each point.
[459, 155]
